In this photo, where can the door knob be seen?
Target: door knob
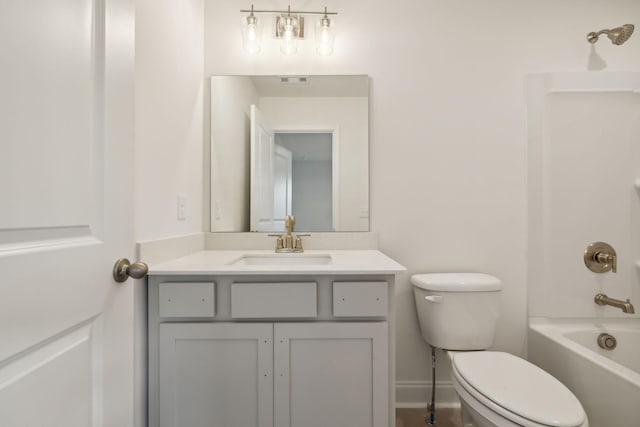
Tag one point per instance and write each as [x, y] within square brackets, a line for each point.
[125, 269]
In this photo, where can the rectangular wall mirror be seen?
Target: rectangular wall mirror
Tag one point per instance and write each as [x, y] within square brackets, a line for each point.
[289, 145]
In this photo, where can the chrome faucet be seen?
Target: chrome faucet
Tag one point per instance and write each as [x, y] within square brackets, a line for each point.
[625, 306]
[289, 242]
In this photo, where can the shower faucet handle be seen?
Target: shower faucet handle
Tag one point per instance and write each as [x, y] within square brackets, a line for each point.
[600, 257]
[605, 258]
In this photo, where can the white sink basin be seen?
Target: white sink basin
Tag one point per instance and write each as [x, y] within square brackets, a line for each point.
[283, 259]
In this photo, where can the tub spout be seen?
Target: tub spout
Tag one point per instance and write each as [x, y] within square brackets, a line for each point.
[625, 306]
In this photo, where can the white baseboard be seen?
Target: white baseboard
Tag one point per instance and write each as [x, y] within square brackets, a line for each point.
[416, 394]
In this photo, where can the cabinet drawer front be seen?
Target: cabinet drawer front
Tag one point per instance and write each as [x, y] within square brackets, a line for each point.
[360, 299]
[272, 300]
[186, 299]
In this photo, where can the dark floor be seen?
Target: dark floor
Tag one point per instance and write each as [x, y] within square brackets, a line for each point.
[445, 417]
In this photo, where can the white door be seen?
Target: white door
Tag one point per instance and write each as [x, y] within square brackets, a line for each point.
[66, 142]
[261, 206]
[282, 185]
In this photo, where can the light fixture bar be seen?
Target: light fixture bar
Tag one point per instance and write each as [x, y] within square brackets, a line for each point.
[297, 12]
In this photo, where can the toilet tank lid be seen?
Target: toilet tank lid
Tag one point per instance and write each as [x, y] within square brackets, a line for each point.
[457, 282]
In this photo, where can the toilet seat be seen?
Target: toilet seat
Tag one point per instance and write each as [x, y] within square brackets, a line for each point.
[517, 389]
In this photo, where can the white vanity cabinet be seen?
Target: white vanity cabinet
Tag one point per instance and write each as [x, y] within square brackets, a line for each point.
[264, 351]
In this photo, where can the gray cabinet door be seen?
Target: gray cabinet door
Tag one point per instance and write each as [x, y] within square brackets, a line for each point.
[216, 375]
[331, 374]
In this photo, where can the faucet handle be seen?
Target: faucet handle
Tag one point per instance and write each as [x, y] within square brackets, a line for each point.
[298, 245]
[600, 257]
[606, 258]
[279, 241]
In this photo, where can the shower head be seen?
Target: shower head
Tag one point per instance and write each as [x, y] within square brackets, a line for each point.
[617, 35]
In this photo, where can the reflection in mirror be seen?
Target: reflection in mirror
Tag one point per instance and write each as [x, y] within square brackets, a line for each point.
[289, 146]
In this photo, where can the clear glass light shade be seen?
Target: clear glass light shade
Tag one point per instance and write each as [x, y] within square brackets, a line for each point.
[252, 34]
[289, 31]
[325, 36]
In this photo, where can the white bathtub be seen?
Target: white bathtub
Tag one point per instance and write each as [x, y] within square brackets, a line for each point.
[607, 382]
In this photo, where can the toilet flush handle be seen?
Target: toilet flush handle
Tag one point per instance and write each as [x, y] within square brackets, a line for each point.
[434, 298]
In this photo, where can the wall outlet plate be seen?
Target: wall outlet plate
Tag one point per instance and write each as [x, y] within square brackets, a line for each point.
[182, 206]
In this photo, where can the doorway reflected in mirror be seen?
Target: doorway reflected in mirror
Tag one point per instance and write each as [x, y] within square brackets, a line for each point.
[322, 122]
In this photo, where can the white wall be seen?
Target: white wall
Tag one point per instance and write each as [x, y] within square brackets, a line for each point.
[349, 117]
[168, 147]
[231, 121]
[168, 117]
[447, 125]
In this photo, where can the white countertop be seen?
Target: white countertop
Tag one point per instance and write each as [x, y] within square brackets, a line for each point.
[221, 262]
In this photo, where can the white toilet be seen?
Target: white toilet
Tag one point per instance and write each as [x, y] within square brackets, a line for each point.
[458, 313]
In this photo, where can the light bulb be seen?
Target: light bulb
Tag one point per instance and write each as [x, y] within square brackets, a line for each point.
[324, 34]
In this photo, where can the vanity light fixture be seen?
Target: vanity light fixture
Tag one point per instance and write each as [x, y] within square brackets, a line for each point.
[289, 28]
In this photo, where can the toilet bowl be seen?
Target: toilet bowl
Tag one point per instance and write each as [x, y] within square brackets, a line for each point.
[458, 313]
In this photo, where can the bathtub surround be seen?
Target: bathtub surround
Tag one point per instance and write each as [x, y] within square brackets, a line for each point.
[434, 104]
[582, 125]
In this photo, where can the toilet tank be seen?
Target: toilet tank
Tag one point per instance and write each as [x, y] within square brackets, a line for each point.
[457, 311]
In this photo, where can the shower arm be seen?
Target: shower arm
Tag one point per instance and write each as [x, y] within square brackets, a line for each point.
[593, 37]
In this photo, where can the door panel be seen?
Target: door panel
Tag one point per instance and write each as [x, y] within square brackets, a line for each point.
[46, 114]
[66, 132]
[33, 381]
